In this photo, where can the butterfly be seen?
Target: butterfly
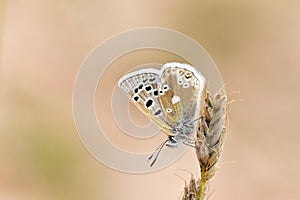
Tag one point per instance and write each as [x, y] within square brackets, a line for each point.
[170, 97]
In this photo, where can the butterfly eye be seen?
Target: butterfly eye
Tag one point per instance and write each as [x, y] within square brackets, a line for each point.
[173, 141]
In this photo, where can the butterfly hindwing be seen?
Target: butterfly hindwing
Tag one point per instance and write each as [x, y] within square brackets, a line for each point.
[182, 89]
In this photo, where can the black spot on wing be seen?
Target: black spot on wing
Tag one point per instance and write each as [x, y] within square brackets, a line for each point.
[157, 112]
[151, 79]
[149, 103]
[148, 88]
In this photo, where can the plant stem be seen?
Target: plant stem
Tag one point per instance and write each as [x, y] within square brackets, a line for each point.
[202, 186]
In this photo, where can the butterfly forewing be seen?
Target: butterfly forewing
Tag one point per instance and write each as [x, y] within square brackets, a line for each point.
[142, 88]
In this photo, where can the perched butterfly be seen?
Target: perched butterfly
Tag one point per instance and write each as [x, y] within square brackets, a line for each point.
[171, 98]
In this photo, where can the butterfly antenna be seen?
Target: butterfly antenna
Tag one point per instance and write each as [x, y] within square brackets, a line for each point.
[157, 151]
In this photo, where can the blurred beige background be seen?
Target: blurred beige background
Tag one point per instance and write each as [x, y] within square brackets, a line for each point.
[255, 44]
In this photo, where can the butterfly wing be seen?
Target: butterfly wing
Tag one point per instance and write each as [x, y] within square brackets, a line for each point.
[141, 87]
[181, 92]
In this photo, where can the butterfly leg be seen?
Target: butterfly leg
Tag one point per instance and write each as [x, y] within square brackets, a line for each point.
[189, 143]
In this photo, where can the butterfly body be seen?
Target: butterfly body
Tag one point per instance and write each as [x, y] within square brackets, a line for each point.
[171, 98]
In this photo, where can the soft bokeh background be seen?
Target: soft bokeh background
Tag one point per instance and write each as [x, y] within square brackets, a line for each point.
[255, 44]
